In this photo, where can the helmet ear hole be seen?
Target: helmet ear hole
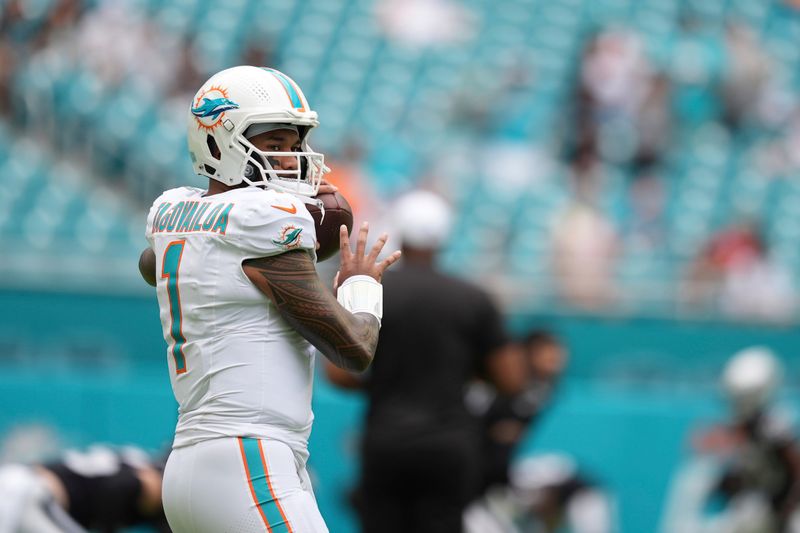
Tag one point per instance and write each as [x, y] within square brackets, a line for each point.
[212, 147]
[210, 169]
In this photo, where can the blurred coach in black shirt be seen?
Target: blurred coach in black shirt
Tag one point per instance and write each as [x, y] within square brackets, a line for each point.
[421, 449]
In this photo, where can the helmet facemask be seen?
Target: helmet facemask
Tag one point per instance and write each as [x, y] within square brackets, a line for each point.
[260, 165]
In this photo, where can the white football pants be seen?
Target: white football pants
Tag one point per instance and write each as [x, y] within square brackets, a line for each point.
[239, 485]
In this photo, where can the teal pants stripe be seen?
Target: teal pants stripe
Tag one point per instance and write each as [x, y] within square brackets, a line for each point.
[261, 486]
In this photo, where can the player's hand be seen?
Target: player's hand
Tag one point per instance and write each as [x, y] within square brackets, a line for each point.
[326, 187]
[360, 263]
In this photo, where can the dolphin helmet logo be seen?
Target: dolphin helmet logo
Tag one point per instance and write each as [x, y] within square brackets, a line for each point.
[213, 107]
[210, 106]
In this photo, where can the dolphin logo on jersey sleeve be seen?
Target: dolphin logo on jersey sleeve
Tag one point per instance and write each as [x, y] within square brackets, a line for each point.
[289, 237]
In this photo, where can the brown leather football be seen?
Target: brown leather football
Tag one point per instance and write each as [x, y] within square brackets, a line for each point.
[337, 212]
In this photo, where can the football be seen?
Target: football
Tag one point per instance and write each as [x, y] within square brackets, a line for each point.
[147, 266]
[337, 212]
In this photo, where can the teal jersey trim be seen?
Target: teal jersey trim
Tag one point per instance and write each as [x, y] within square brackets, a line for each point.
[169, 270]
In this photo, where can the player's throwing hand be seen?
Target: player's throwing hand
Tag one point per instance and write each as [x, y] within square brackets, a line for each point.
[359, 264]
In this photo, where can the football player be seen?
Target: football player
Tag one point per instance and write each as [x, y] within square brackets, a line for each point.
[546, 494]
[506, 419]
[99, 489]
[243, 310]
[745, 474]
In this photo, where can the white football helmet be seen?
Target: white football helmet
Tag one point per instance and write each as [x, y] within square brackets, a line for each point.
[750, 379]
[231, 101]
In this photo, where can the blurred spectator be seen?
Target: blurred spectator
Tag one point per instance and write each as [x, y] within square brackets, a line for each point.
[421, 449]
[653, 123]
[736, 269]
[736, 245]
[615, 87]
[754, 484]
[188, 75]
[747, 77]
[762, 290]
[118, 44]
[101, 489]
[585, 242]
[422, 23]
[615, 74]
[506, 419]
[585, 245]
[547, 494]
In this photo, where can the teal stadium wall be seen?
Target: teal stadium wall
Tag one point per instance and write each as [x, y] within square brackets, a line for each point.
[90, 366]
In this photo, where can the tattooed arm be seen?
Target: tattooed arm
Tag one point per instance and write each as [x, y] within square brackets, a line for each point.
[290, 280]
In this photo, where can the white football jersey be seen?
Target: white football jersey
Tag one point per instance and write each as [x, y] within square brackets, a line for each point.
[237, 368]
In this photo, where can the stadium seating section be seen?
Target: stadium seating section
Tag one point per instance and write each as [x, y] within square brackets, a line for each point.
[402, 101]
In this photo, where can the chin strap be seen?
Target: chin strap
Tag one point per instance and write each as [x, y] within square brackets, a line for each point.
[309, 200]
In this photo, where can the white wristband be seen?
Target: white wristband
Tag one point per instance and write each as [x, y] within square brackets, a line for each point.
[362, 294]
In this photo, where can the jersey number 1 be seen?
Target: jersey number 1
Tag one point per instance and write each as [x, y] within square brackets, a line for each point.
[169, 270]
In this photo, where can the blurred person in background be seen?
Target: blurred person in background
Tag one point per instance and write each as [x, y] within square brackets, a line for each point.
[120, 46]
[506, 419]
[747, 77]
[584, 240]
[614, 74]
[653, 124]
[736, 270]
[546, 494]
[747, 474]
[736, 244]
[617, 96]
[424, 23]
[421, 449]
[101, 489]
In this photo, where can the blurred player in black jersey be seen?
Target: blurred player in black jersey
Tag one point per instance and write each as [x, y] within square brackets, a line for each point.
[544, 494]
[505, 419]
[759, 449]
[421, 449]
[101, 489]
[746, 473]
